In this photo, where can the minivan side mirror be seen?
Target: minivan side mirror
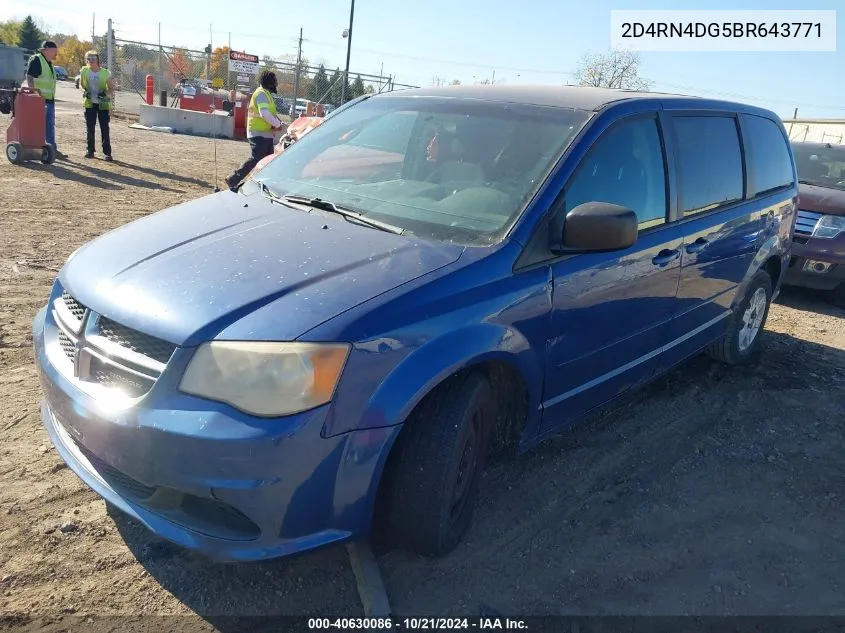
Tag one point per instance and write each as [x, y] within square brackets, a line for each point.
[595, 226]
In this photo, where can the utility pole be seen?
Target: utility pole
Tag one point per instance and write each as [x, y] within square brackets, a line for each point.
[348, 54]
[208, 57]
[494, 77]
[794, 116]
[160, 60]
[296, 76]
[93, 27]
[110, 48]
[380, 76]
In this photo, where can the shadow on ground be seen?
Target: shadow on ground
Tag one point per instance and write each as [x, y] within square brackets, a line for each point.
[100, 178]
[712, 491]
[321, 583]
[809, 300]
[164, 174]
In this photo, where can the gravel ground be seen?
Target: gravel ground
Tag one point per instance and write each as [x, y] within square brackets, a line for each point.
[713, 491]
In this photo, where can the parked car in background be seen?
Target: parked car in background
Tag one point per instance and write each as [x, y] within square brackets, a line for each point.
[298, 108]
[423, 278]
[61, 73]
[819, 242]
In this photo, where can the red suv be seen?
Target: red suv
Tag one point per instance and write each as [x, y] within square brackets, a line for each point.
[818, 251]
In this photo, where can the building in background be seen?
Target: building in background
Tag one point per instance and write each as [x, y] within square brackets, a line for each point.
[816, 130]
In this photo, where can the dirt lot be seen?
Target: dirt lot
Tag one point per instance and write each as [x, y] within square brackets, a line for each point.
[714, 491]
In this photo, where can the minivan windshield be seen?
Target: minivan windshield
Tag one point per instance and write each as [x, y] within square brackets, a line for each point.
[820, 165]
[454, 170]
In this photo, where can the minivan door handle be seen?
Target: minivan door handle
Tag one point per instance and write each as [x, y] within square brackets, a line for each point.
[697, 246]
[666, 256]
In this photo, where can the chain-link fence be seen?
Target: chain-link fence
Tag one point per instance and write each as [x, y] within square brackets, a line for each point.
[171, 67]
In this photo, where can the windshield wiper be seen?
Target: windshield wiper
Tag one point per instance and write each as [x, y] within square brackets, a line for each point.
[325, 205]
[267, 191]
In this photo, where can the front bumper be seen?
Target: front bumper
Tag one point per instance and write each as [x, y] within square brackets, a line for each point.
[819, 269]
[206, 477]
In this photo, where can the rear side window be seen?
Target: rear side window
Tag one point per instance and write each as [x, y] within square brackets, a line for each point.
[624, 167]
[709, 162]
[769, 159]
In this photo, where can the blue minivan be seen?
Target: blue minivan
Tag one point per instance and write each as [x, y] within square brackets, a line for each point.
[429, 276]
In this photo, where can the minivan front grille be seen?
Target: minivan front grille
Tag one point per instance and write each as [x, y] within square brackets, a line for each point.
[75, 308]
[806, 222]
[68, 346]
[119, 351]
[138, 342]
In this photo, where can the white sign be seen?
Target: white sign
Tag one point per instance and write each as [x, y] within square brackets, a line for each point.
[243, 63]
[243, 78]
[723, 30]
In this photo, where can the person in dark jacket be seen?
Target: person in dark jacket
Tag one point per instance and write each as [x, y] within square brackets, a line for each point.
[41, 76]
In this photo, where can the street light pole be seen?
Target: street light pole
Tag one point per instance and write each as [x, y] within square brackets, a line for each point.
[348, 54]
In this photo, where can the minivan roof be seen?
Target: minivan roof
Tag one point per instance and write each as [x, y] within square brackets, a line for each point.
[578, 97]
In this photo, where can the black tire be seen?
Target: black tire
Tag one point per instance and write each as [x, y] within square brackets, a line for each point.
[14, 152]
[48, 154]
[729, 349]
[450, 429]
[837, 296]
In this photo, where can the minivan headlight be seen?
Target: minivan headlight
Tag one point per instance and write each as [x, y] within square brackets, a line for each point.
[266, 379]
[829, 226]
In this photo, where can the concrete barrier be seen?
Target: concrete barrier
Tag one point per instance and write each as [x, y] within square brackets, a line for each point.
[188, 121]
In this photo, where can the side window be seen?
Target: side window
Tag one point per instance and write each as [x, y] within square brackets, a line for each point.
[769, 159]
[624, 167]
[709, 161]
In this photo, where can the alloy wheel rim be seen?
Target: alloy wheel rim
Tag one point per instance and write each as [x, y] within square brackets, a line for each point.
[752, 319]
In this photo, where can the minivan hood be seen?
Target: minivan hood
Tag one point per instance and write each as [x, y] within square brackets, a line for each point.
[821, 199]
[186, 273]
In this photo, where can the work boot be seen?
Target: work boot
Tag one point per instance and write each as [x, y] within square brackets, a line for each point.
[89, 154]
[109, 158]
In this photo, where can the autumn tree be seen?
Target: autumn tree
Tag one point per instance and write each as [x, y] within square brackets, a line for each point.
[10, 32]
[29, 35]
[456, 82]
[71, 54]
[220, 64]
[614, 69]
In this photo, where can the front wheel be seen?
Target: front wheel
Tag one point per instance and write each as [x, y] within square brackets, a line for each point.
[437, 466]
[14, 152]
[742, 337]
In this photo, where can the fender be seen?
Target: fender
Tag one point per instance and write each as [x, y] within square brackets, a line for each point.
[420, 371]
[774, 246]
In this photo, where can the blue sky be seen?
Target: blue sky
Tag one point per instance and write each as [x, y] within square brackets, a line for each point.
[530, 41]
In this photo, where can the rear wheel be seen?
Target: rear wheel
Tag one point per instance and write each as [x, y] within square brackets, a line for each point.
[437, 466]
[14, 152]
[742, 338]
[48, 154]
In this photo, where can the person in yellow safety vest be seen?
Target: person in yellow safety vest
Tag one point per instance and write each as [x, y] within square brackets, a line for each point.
[41, 76]
[262, 127]
[97, 90]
